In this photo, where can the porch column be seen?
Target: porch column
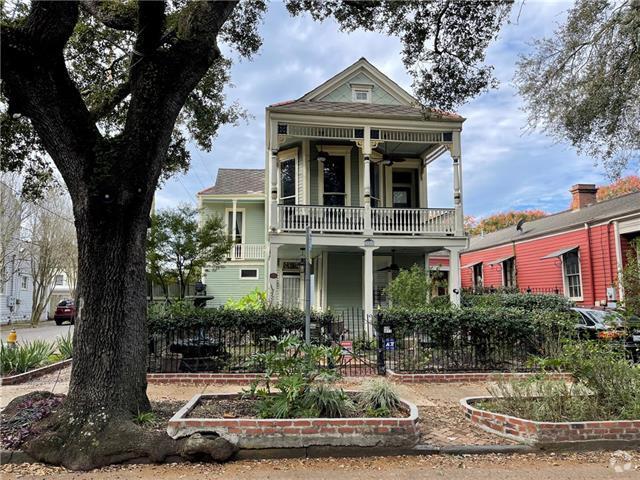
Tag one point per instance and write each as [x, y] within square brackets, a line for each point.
[456, 155]
[619, 264]
[272, 275]
[366, 181]
[367, 297]
[234, 220]
[273, 174]
[455, 285]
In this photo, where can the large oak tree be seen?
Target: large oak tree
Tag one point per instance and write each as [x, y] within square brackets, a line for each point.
[110, 91]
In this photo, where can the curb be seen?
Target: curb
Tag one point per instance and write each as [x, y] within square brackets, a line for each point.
[38, 372]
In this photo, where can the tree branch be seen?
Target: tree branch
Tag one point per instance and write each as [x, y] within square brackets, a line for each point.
[115, 97]
[122, 16]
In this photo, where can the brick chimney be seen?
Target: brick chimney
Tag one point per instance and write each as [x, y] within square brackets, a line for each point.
[583, 195]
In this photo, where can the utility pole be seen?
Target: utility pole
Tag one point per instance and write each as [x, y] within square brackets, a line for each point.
[307, 287]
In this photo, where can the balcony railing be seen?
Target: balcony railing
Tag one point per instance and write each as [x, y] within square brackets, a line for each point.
[413, 220]
[247, 251]
[296, 218]
[407, 221]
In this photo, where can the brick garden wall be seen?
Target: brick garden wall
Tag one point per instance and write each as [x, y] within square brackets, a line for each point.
[461, 377]
[284, 433]
[540, 433]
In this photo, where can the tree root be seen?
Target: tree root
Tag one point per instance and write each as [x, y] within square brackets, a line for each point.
[84, 442]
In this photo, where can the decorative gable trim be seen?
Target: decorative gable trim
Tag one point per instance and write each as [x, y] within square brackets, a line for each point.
[362, 65]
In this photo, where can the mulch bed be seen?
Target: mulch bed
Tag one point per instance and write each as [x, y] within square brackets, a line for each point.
[248, 408]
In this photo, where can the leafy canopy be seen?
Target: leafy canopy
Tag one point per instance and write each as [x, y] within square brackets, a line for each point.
[178, 248]
[582, 85]
[622, 186]
[444, 45]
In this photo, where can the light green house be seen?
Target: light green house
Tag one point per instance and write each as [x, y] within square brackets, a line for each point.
[348, 160]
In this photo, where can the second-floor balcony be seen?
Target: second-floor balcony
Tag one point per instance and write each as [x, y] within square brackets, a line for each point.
[247, 251]
[337, 219]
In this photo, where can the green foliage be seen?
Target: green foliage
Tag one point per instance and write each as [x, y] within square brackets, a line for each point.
[145, 418]
[410, 289]
[581, 84]
[379, 397]
[631, 280]
[24, 357]
[525, 301]
[178, 247]
[542, 399]
[303, 376]
[268, 322]
[64, 345]
[605, 386]
[255, 300]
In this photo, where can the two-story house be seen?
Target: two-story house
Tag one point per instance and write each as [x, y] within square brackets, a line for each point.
[348, 161]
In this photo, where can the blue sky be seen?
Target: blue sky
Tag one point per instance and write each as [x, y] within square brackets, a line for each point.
[505, 167]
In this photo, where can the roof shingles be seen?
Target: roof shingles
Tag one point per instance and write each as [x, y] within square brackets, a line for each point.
[608, 209]
[237, 181]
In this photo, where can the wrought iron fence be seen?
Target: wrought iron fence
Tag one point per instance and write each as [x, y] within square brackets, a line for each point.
[216, 349]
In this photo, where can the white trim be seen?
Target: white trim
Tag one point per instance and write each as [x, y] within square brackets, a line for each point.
[306, 170]
[619, 262]
[565, 285]
[336, 151]
[333, 119]
[257, 277]
[244, 222]
[288, 155]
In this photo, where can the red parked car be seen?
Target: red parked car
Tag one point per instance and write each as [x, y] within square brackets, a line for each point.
[65, 312]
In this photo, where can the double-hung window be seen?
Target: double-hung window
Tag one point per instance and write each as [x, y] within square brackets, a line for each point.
[509, 272]
[572, 277]
[288, 182]
[334, 174]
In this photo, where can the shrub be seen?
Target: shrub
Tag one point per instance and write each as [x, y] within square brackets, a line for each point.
[65, 346]
[410, 289]
[271, 321]
[605, 387]
[631, 280]
[525, 301]
[24, 357]
[304, 375]
[379, 397]
[255, 300]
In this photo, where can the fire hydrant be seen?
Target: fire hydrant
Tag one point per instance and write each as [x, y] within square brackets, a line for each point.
[12, 339]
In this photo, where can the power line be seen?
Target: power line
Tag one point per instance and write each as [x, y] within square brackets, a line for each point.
[38, 204]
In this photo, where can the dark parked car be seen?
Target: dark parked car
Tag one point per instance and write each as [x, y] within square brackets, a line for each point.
[65, 312]
[609, 325]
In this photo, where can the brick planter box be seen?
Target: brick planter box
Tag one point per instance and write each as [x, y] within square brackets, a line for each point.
[462, 377]
[203, 378]
[250, 433]
[35, 373]
[550, 433]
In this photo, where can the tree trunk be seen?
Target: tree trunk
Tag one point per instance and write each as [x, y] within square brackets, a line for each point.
[110, 344]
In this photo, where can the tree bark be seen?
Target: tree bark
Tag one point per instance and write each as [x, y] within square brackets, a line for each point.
[110, 346]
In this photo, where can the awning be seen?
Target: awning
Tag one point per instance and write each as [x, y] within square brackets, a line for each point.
[559, 253]
[469, 265]
[500, 260]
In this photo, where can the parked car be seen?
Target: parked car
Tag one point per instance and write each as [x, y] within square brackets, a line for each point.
[65, 312]
[610, 325]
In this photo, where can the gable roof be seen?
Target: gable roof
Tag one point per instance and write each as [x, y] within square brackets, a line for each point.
[408, 107]
[361, 66]
[569, 219]
[237, 181]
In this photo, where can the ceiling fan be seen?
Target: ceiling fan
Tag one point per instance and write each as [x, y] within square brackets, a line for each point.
[388, 158]
[392, 267]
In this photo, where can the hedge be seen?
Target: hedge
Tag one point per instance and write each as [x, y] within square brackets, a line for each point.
[525, 301]
[269, 321]
[505, 324]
